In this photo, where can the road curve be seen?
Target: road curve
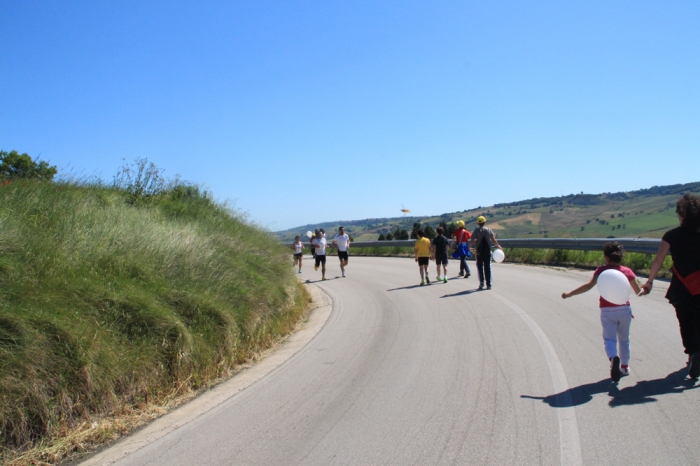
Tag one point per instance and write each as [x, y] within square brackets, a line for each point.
[443, 374]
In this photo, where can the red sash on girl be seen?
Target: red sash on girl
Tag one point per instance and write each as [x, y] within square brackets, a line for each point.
[691, 282]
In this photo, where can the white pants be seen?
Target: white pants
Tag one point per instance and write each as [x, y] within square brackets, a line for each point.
[616, 327]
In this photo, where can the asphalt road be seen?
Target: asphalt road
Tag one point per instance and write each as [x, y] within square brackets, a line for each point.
[443, 374]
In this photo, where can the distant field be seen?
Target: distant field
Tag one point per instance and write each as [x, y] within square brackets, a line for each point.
[645, 213]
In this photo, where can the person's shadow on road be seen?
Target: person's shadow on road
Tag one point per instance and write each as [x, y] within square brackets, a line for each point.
[409, 287]
[642, 392]
[461, 293]
[321, 281]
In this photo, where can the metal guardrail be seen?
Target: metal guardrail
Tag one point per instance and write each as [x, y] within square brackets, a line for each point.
[644, 245]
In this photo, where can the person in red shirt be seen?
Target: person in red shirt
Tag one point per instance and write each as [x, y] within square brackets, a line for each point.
[459, 237]
[615, 318]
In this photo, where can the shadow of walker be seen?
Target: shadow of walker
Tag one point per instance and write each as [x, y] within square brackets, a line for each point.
[642, 392]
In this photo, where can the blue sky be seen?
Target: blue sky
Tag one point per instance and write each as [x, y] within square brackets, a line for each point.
[304, 112]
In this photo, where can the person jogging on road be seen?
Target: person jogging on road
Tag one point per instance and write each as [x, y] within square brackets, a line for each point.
[459, 237]
[342, 243]
[615, 318]
[439, 253]
[482, 241]
[298, 248]
[319, 245]
[422, 255]
[314, 235]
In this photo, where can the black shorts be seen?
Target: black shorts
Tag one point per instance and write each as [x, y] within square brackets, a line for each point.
[297, 255]
[343, 255]
[423, 260]
[320, 259]
[441, 260]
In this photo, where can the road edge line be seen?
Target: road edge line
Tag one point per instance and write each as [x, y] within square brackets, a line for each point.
[569, 440]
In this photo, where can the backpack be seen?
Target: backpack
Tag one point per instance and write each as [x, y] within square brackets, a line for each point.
[483, 248]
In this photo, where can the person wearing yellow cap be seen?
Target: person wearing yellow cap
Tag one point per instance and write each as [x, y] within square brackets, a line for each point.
[482, 241]
[459, 237]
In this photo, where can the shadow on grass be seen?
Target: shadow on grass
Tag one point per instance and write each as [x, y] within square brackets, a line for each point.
[642, 392]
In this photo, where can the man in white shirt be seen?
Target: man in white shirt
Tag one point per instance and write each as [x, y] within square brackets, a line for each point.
[319, 245]
[342, 242]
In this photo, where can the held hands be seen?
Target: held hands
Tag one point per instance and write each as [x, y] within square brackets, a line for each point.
[646, 289]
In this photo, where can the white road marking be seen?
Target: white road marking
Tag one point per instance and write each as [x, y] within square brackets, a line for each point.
[570, 444]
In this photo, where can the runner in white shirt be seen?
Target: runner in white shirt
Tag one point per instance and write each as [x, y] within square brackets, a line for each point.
[298, 248]
[342, 242]
[319, 244]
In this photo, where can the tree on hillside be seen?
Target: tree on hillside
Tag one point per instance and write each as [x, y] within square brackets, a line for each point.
[429, 232]
[381, 238]
[389, 237]
[416, 227]
[14, 165]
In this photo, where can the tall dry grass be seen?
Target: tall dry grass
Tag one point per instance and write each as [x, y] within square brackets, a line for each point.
[105, 305]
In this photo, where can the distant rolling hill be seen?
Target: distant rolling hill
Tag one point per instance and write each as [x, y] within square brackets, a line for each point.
[644, 213]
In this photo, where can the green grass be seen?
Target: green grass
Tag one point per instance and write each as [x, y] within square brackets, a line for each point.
[646, 213]
[105, 305]
[638, 262]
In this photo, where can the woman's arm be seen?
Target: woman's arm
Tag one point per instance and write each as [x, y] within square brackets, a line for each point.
[635, 287]
[581, 289]
[655, 267]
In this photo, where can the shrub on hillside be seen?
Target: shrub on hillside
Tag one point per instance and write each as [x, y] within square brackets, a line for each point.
[142, 180]
[14, 165]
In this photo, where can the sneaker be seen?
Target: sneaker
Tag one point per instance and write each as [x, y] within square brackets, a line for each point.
[468, 275]
[299, 270]
[427, 280]
[444, 280]
[439, 278]
[481, 287]
[422, 283]
[624, 370]
[323, 278]
[316, 267]
[461, 274]
[694, 369]
[488, 287]
[615, 369]
[343, 274]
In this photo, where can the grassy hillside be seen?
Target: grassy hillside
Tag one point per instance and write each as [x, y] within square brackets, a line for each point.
[645, 213]
[106, 305]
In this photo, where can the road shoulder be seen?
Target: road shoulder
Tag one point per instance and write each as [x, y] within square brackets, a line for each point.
[321, 308]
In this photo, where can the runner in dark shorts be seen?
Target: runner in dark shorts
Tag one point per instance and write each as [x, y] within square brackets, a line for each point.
[342, 242]
[319, 244]
[422, 256]
[439, 253]
[298, 248]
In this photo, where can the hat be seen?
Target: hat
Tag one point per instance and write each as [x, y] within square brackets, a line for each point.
[323, 231]
[460, 223]
[481, 219]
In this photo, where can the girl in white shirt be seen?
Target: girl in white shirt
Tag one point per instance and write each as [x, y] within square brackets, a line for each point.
[298, 248]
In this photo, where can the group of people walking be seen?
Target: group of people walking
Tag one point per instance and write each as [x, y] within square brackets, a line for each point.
[481, 241]
[318, 244]
[683, 244]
